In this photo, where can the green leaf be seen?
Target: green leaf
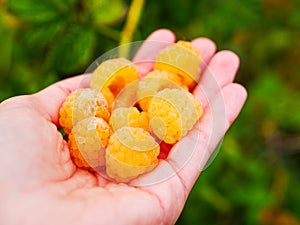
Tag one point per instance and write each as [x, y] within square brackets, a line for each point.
[106, 11]
[73, 50]
[32, 10]
[42, 34]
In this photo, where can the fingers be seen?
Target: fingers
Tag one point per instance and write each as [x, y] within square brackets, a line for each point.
[51, 98]
[235, 96]
[223, 67]
[163, 35]
[207, 49]
[223, 101]
[203, 139]
[220, 71]
[188, 157]
[146, 55]
[172, 180]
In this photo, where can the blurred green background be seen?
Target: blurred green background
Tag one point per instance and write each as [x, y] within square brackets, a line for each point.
[255, 177]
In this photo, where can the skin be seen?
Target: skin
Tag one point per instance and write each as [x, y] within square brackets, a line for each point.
[41, 185]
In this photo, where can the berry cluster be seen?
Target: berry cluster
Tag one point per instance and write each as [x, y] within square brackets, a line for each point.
[120, 122]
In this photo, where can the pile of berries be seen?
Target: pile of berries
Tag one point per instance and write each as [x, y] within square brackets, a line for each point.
[120, 122]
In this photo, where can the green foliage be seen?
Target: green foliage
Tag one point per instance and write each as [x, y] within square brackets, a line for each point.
[73, 51]
[257, 168]
[41, 34]
[54, 39]
[33, 11]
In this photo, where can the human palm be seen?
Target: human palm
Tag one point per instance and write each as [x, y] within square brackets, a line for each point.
[41, 185]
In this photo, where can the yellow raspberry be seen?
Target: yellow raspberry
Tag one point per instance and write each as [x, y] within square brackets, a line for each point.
[80, 104]
[182, 59]
[130, 117]
[172, 113]
[87, 142]
[115, 74]
[152, 83]
[130, 152]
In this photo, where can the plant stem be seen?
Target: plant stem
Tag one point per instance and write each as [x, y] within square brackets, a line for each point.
[135, 11]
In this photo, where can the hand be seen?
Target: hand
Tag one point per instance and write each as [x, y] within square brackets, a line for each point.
[41, 185]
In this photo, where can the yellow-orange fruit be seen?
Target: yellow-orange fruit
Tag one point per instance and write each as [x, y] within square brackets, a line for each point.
[131, 117]
[80, 104]
[115, 74]
[182, 59]
[87, 142]
[109, 96]
[172, 113]
[131, 151]
[153, 82]
[188, 45]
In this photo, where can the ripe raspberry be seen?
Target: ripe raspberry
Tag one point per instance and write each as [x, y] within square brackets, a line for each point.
[182, 59]
[114, 74]
[80, 104]
[87, 142]
[130, 117]
[130, 152]
[172, 113]
[152, 83]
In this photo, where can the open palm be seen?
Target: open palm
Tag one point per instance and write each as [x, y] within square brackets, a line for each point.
[41, 185]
